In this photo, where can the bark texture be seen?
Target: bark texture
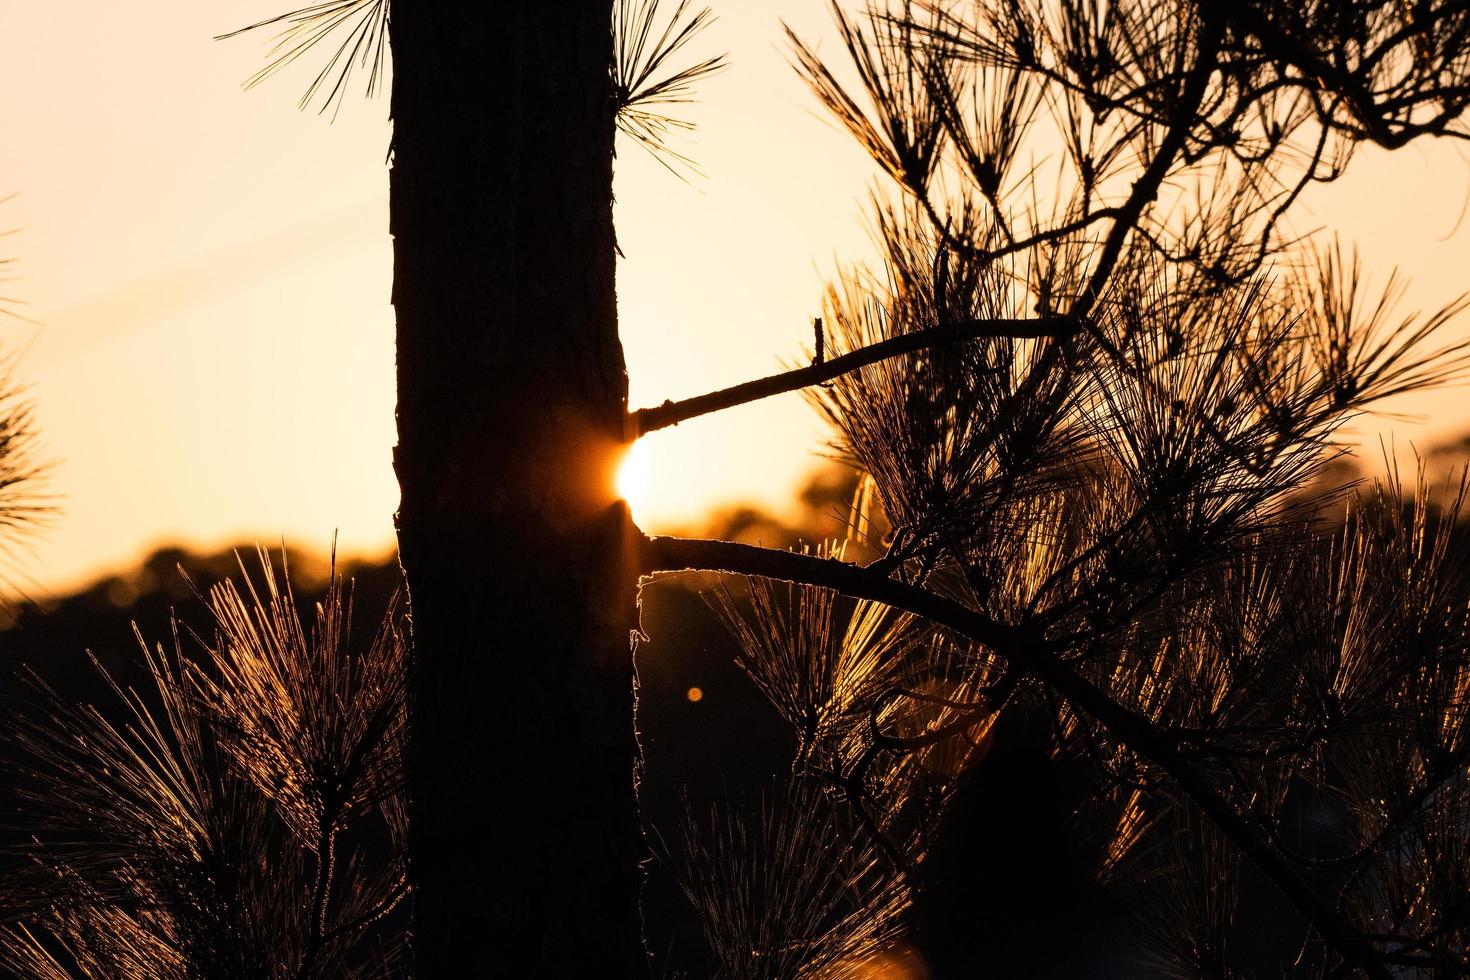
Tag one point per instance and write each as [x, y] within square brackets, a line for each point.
[525, 840]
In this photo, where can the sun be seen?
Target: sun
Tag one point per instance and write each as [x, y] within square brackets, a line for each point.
[635, 477]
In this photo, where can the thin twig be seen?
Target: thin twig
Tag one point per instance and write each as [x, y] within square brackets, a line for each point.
[646, 420]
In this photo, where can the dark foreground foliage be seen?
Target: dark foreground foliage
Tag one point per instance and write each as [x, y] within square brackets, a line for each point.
[229, 806]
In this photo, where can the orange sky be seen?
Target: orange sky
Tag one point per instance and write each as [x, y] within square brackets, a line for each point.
[212, 270]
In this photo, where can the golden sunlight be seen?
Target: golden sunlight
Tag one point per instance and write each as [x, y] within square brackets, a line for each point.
[634, 480]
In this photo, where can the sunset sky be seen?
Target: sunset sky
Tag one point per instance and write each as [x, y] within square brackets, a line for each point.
[210, 272]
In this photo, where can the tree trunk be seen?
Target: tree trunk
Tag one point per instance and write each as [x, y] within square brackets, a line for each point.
[525, 844]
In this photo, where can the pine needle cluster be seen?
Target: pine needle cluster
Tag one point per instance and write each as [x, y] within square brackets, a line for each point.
[240, 816]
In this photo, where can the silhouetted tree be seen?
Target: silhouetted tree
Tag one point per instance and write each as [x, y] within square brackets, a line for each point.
[512, 411]
[1092, 418]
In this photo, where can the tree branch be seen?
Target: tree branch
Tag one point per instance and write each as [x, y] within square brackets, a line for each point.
[1027, 649]
[389, 902]
[646, 420]
[326, 855]
[1353, 88]
[1146, 189]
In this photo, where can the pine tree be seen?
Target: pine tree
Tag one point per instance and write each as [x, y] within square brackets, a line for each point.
[1093, 401]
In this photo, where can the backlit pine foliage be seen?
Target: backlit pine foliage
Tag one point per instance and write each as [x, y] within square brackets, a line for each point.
[349, 38]
[1147, 499]
[26, 506]
[238, 817]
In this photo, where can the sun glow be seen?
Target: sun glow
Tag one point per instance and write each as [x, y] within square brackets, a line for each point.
[635, 477]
